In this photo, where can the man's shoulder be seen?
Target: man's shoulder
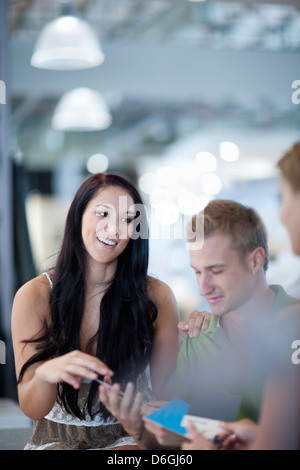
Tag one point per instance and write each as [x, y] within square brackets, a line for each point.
[282, 298]
[204, 340]
[213, 324]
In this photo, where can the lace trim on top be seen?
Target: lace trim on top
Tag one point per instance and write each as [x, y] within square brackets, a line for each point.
[123, 441]
[59, 415]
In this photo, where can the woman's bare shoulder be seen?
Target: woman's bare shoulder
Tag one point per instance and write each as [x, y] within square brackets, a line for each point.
[163, 297]
[34, 295]
[37, 286]
[158, 290]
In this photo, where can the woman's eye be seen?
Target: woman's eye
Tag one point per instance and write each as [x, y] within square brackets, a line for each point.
[102, 213]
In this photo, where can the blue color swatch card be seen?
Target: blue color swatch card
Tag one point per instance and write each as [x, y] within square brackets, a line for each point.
[170, 416]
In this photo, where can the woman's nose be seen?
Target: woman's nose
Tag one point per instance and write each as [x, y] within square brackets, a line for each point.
[112, 228]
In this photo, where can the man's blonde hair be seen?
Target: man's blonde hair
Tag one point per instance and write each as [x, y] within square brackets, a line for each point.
[242, 224]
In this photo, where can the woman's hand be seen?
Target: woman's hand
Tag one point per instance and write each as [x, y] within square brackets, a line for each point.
[151, 406]
[197, 441]
[242, 434]
[126, 409]
[72, 368]
[238, 435]
[197, 321]
[163, 436]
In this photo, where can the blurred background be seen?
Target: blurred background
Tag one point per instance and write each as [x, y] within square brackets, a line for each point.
[190, 100]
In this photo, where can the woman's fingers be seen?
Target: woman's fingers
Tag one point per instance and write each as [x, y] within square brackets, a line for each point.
[103, 396]
[73, 380]
[81, 371]
[72, 368]
[137, 404]
[107, 380]
[110, 398]
[126, 407]
[126, 403]
[197, 321]
[93, 364]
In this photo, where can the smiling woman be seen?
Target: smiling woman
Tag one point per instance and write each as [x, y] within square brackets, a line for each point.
[101, 315]
[106, 224]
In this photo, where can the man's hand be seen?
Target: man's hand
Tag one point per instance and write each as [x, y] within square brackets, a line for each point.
[197, 321]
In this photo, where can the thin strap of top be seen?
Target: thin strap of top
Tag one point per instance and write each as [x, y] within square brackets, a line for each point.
[49, 279]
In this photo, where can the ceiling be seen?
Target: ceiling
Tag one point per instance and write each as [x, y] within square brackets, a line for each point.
[173, 69]
[263, 25]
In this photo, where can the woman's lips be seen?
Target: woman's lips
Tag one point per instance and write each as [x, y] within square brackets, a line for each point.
[108, 243]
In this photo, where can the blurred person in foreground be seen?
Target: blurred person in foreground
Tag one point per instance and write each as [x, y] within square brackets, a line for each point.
[229, 253]
[279, 423]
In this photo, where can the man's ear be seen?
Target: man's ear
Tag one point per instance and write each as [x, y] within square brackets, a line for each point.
[257, 259]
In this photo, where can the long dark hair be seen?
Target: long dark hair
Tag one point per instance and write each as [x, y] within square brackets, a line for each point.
[125, 334]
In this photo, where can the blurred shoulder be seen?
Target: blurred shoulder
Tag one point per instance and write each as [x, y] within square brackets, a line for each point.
[289, 314]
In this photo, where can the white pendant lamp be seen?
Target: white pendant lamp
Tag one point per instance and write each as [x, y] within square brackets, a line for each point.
[67, 43]
[81, 109]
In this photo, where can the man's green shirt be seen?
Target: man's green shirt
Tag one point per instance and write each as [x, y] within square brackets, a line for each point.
[204, 360]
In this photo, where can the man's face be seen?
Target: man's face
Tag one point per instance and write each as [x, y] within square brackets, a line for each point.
[223, 278]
